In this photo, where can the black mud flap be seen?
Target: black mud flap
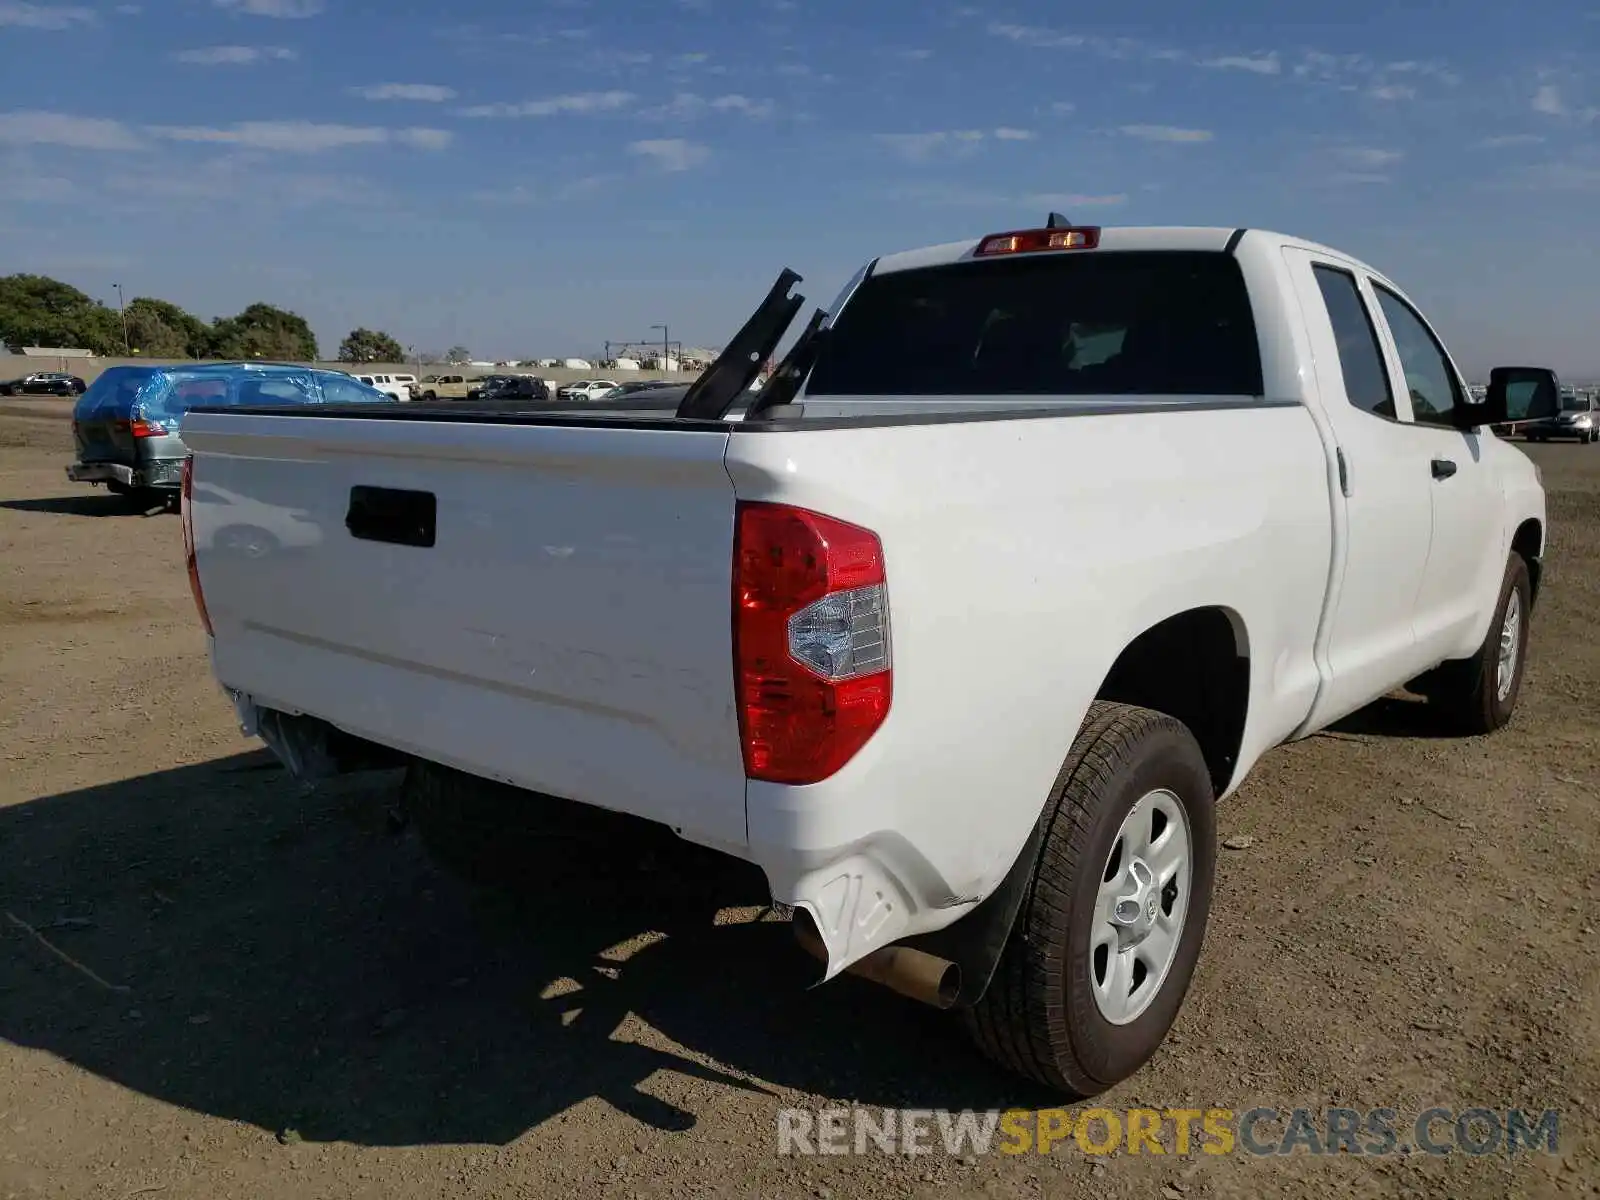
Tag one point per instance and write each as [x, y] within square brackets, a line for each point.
[976, 942]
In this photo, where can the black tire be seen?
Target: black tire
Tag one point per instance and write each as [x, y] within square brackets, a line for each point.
[1039, 1016]
[430, 396]
[1465, 691]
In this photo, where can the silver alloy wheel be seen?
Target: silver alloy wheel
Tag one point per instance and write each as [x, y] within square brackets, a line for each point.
[1510, 646]
[1141, 906]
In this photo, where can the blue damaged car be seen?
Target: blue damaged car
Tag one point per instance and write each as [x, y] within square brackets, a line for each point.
[126, 426]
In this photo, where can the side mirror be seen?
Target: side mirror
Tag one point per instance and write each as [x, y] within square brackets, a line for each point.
[1516, 394]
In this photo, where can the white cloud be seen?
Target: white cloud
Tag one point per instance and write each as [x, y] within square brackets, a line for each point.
[1067, 201]
[1392, 91]
[925, 147]
[580, 103]
[303, 137]
[233, 56]
[427, 93]
[33, 128]
[421, 138]
[1510, 139]
[671, 154]
[288, 10]
[1548, 100]
[963, 196]
[1264, 64]
[1036, 35]
[743, 105]
[524, 194]
[1166, 133]
[1370, 157]
[43, 16]
[687, 106]
[1063, 107]
[1007, 134]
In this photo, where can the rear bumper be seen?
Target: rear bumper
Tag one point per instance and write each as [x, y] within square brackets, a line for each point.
[81, 472]
[156, 473]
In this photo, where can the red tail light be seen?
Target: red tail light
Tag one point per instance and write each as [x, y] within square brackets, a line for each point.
[186, 506]
[812, 665]
[141, 429]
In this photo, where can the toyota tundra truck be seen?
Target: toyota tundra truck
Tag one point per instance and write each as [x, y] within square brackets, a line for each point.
[958, 628]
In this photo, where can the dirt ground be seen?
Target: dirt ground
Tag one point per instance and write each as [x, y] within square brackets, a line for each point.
[212, 985]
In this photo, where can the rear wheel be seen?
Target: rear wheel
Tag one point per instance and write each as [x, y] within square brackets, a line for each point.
[1105, 943]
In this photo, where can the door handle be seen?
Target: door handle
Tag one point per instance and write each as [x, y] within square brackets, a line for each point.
[1443, 468]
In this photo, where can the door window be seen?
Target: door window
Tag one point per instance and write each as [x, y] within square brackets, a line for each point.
[1366, 379]
[1430, 379]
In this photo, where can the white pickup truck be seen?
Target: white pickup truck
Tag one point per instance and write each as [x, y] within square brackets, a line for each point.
[958, 628]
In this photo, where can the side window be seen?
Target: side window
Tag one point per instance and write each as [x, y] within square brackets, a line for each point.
[1432, 383]
[337, 390]
[1366, 379]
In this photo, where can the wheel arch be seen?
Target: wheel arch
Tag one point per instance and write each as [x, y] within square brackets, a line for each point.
[1210, 690]
[1210, 696]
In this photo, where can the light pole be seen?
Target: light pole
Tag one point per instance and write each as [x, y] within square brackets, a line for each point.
[666, 346]
[127, 347]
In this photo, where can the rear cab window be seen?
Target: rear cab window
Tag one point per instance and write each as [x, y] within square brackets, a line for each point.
[1097, 323]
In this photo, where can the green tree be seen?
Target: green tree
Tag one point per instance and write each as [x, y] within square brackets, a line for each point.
[262, 331]
[36, 310]
[458, 354]
[370, 345]
[158, 329]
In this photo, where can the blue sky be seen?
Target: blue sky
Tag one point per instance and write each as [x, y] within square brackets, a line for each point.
[535, 178]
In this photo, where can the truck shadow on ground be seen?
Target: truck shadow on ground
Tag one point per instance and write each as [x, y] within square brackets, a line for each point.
[96, 504]
[211, 937]
[1401, 715]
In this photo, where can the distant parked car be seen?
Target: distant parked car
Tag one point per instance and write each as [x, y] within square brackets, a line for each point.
[445, 387]
[1577, 419]
[487, 384]
[515, 387]
[44, 383]
[587, 389]
[125, 427]
[398, 387]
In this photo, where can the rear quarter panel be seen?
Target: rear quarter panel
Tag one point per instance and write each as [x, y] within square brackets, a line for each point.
[1022, 556]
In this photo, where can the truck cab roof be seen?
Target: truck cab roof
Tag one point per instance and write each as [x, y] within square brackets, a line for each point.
[1111, 237]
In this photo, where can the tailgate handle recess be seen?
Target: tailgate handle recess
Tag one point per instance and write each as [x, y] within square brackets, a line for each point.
[403, 518]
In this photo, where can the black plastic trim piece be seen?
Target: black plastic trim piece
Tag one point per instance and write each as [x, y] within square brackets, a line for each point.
[1234, 239]
[741, 360]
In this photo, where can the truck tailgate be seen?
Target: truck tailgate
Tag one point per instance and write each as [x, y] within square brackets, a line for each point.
[568, 630]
